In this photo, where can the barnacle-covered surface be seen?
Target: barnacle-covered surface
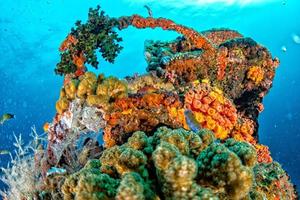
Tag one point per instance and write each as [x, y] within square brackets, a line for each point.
[187, 129]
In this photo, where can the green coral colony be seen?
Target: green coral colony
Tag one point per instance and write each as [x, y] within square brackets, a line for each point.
[187, 129]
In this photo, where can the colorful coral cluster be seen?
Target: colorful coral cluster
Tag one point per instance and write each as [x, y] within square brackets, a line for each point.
[185, 130]
[256, 74]
[211, 109]
[143, 113]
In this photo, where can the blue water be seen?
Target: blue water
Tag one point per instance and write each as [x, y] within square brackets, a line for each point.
[32, 30]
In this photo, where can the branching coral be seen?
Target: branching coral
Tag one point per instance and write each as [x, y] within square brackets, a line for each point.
[80, 46]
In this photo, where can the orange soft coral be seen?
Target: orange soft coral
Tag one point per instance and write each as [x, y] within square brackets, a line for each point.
[222, 63]
[141, 112]
[211, 109]
[218, 36]
[79, 60]
[256, 74]
[184, 69]
[243, 130]
[263, 153]
[196, 38]
[68, 42]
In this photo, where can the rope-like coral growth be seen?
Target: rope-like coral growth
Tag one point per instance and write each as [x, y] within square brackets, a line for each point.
[98, 33]
[193, 36]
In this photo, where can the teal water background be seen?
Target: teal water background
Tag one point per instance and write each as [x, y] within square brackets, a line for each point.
[32, 30]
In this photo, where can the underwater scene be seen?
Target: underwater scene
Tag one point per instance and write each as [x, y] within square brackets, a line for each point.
[148, 99]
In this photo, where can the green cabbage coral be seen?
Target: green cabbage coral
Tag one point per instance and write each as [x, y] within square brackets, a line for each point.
[170, 164]
[89, 183]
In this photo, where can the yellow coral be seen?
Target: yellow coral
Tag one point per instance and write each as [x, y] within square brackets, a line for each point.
[149, 80]
[113, 88]
[127, 112]
[199, 117]
[62, 105]
[98, 101]
[178, 115]
[218, 90]
[87, 85]
[62, 93]
[70, 90]
[256, 74]
[220, 132]
[205, 81]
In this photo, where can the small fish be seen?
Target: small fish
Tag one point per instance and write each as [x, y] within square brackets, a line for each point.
[6, 117]
[191, 120]
[165, 60]
[149, 10]
[4, 152]
[283, 48]
[296, 38]
[56, 170]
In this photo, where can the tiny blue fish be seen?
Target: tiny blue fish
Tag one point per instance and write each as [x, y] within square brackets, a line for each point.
[4, 152]
[165, 60]
[191, 121]
[56, 170]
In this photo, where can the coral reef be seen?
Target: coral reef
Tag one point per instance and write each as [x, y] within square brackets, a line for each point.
[174, 164]
[187, 129]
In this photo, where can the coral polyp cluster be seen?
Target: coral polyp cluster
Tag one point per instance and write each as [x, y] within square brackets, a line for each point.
[211, 109]
[186, 129]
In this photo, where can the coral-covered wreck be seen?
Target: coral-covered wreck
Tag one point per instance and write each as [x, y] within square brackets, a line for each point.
[187, 129]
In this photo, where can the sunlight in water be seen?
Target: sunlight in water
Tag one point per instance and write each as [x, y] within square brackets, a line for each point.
[186, 3]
